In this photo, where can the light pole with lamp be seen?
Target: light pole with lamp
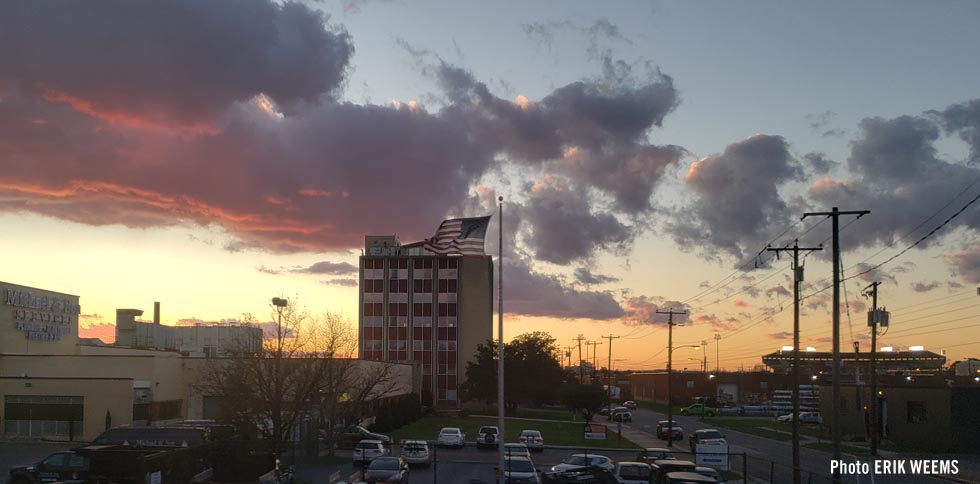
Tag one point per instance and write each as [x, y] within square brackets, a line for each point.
[279, 303]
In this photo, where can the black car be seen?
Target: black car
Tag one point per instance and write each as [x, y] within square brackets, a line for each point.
[57, 467]
[580, 475]
[348, 437]
[387, 469]
[675, 428]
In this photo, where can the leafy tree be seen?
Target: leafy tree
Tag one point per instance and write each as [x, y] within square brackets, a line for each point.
[586, 400]
[532, 371]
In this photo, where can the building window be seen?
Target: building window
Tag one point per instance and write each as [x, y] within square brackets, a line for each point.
[448, 263]
[422, 309]
[447, 310]
[916, 412]
[374, 263]
[398, 285]
[423, 263]
[420, 286]
[447, 285]
[400, 263]
[763, 385]
[374, 285]
[426, 369]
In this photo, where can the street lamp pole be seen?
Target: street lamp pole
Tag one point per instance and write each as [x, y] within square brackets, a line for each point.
[500, 341]
[279, 304]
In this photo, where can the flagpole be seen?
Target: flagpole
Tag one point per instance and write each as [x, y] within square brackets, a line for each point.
[500, 340]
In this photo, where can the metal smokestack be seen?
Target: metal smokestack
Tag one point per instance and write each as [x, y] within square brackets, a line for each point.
[156, 312]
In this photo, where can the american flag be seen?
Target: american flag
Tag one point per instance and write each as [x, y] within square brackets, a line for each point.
[459, 236]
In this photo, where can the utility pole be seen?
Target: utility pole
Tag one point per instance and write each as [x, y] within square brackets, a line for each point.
[797, 278]
[501, 402]
[581, 369]
[704, 353]
[609, 375]
[670, 353]
[568, 354]
[835, 418]
[873, 322]
[594, 344]
[717, 353]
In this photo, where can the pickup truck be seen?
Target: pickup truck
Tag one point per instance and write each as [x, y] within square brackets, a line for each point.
[57, 467]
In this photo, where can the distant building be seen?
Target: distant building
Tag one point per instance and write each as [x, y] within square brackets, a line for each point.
[856, 365]
[424, 309]
[969, 367]
[739, 387]
[210, 340]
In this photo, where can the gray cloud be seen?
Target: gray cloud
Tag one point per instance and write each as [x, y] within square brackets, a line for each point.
[340, 282]
[779, 291]
[966, 264]
[226, 52]
[819, 163]
[643, 310]
[963, 119]
[330, 268]
[878, 274]
[563, 227]
[585, 276]
[925, 286]
[737, 196]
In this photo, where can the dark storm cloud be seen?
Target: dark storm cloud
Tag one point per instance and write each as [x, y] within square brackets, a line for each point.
[563, 227]
[925, 286]
[737, 196]
[585, 276]
[178, 62]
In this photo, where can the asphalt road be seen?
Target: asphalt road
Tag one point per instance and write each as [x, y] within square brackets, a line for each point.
[761, 450]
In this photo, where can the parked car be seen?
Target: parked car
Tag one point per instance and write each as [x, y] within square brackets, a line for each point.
[699, 409]
[805, 418]
[585, 460]
[710, 472]
[57, 467]
[451, 437]
[660, 469]
[676, 431]
[368, 450]
[417, 452]
[706, 436]
[488, 436]
[386, 470]
[651, 454]
[687, 478]
[517, 450]
[633, 472]
[580, 475]
[630, 404]
[347, 437]
[532, 439]
[604, 411]
[616, 410]
[520, 470]
[626, 416]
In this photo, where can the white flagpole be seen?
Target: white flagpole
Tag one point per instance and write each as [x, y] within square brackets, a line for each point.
[500, 340]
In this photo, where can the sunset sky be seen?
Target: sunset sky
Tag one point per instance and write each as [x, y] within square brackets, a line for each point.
[212, 155]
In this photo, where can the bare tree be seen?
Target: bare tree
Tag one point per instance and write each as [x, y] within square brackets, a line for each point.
[305, 369]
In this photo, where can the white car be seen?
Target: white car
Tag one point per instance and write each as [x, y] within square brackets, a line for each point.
[517, 450]
[633, 472]
[417, 452]
[710, 472]
[451, 437]
[805, 418]
[532, 439]
[367, 450]
[585, 460]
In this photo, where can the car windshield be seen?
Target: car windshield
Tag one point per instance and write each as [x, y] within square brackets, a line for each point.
[711, 434]
[532, 433]
[634, 472]
[367, 445]
[414, 447]
[597, 461]
[384, 464]
[518, 466]
[488, 430]
[450, 431]
[577, 460]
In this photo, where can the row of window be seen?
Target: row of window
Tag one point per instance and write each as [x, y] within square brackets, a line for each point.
[419, 286]
[401, 344]
[418, 309]
[444, 263]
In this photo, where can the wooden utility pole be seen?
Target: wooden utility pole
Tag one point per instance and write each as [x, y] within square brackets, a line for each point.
[873, 322]
[670, 354]
[568, 354]
[609, 375]
[717, 353]
[595, 350]
[581, 369]
[797, 278]
[835, 418]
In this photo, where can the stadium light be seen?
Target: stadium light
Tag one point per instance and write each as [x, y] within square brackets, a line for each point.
[886, 349]
[916, 348]
[810, 349]
[787, 348]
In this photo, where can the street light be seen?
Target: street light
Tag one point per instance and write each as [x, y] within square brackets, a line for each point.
[670, 393]
[279, 303]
